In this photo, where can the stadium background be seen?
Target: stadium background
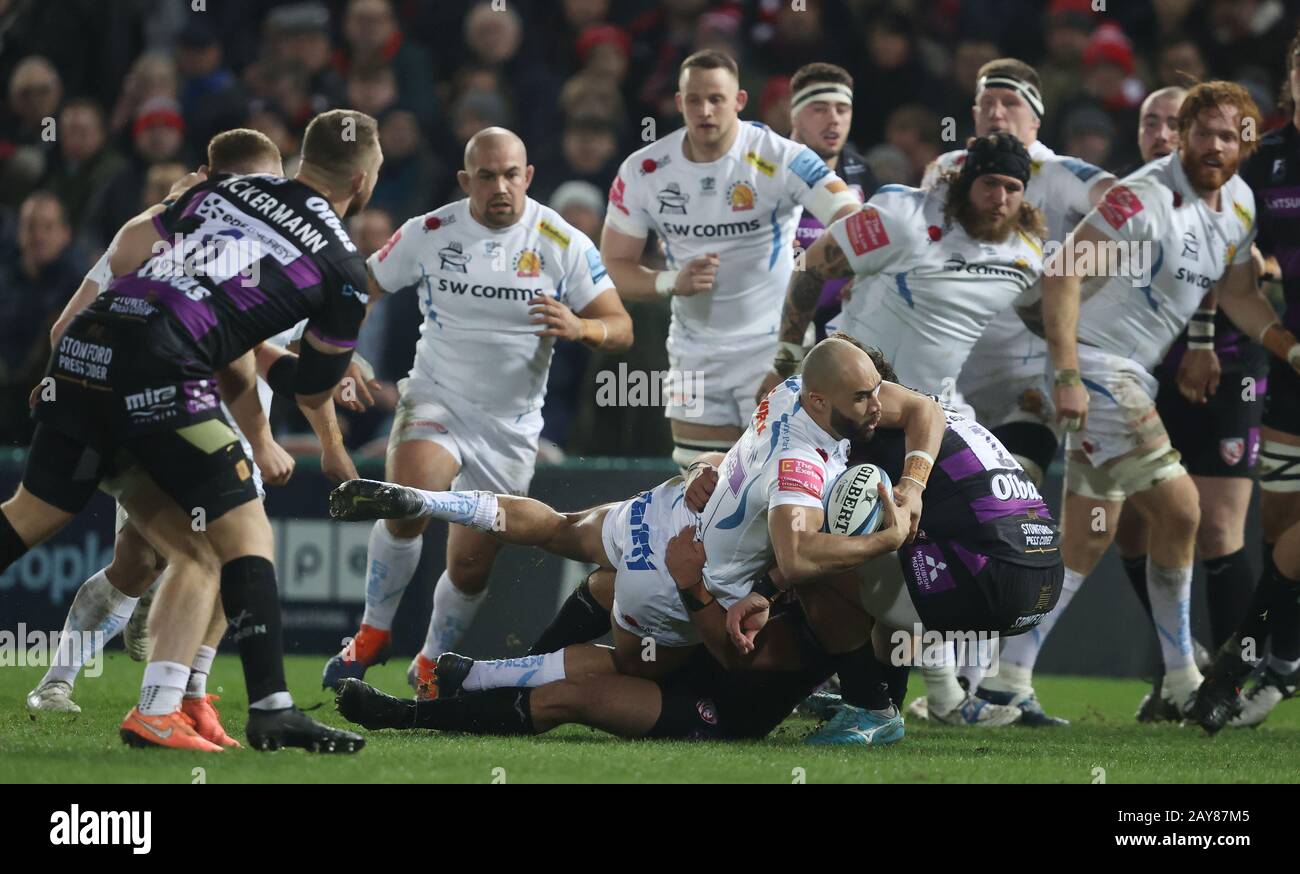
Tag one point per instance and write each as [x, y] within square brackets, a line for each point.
[136, 87]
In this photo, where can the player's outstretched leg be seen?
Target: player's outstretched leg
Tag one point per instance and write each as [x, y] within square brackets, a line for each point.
[361, 500]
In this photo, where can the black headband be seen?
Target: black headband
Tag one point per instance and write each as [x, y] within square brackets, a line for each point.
[999, 153]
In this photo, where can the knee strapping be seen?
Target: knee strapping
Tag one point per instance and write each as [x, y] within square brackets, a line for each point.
[1128, 476]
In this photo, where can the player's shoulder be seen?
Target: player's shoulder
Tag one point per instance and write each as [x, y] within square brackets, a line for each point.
[654, 157]
[1068, 170]
[1238, 196]
[554, 230]
[902, 202]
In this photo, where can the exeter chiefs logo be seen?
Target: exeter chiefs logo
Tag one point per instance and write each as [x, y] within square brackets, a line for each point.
[672, 201]
[452, 257]
[528, 262]
[741, 196]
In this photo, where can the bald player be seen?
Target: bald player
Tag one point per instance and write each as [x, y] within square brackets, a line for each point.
[766, 510]
[499, 277]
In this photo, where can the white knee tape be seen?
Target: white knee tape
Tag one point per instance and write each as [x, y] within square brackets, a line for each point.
[1095, 483]
[1031, 467]
[1279, 467]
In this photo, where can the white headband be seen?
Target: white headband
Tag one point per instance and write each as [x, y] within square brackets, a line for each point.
[833, 92]
[1024, 89]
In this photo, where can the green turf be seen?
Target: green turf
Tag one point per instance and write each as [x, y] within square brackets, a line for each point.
[86, 748]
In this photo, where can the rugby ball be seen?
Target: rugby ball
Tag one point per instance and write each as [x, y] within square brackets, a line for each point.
[852, 503]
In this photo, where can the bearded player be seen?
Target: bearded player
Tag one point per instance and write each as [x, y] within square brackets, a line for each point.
[1105, 350]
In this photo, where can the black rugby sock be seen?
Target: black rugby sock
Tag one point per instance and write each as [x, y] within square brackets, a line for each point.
[1136, 571]
[493, 711]
[12, 547]
[252, 605]
[864, 681]
[1284, 619]
[581, 620]
[1255, 628]
[1228, 591]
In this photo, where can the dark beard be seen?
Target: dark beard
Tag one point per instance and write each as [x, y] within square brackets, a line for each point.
[981, 228]
[844, 427]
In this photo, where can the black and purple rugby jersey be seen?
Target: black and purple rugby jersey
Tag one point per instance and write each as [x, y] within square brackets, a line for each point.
[247, 258]
[978, 501]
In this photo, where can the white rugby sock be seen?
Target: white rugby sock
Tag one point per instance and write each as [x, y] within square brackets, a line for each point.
[453, 611]
[472, 509]
[535, 670]
[274, 701]
[197, 686]
[1170, 591]
[942, 691]
[1021, 651]
[98, 613]
[390, 564]
[163, 687]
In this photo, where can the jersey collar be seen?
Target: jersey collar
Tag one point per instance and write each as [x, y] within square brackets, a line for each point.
[1182, 185]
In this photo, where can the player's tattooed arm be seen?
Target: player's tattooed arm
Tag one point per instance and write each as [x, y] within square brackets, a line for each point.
[823, 261]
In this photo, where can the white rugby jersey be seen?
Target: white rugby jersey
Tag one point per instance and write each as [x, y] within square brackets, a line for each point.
[924, 289]
[1058, 187]
[474, 284]
[743, 206]
[784, 457]
[1192, 247]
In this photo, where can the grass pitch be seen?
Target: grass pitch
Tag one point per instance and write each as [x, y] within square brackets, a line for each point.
[85, 748]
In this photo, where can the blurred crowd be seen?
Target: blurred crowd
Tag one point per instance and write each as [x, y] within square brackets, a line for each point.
[106, 104]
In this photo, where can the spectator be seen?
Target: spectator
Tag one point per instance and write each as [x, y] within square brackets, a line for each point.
[477, 110]
[152, 75]
[372, 89]
[603, 52]
[495, 40]
[1242, 33]
[372, 38]
[1089, 134]
[1180, 63]
[1069, 25]
[1110, 82]
[157, 135]
[86, 162]
[589, 153]
[35, 283]
[268, 119]
[893, 74]
[914, 131]
[888, 164]
[35, 92]
[563, 54]
[582, 205]
[661, 40]
[158, 182]
[412, 176]
[589, 96]
[774, 105]
[212, 99]
[299, 34]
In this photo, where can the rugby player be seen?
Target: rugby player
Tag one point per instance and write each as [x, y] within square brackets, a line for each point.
[160, 338]
[821, 114]
[1216, 430]
[769, 511]
[932, 267]
[723, 196]
[499, 278]
[107, 600]
[1273, 174]
[1002, 379]
[1198, 218]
